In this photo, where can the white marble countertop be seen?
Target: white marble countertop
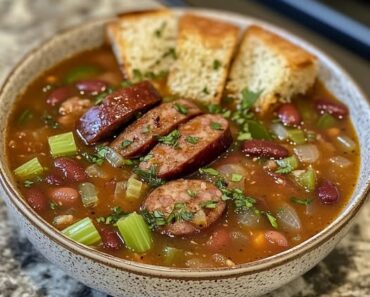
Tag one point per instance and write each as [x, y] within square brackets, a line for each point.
[25, 273]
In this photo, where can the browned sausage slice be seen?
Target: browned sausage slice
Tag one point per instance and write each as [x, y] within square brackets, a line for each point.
[199, 198]
[119, 107]
[141, 136]
[200, 141]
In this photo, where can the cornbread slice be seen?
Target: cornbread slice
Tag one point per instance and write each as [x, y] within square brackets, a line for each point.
[268, 63]
[204, 50]
[144, 42]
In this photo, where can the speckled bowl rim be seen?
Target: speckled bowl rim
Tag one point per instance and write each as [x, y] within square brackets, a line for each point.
[53, 234]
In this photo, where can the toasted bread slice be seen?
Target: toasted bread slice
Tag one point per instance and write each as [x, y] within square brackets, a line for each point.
[144, 42]
[204, 50]
[267, 63]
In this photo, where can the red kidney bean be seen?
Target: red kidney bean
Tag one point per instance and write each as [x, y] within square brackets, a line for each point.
[219, 239]
[54, 178]
[91, 86]
[336, 109]
[264, 148]
[64, 196]
[70, 169]
[289, 114]
[59, 95]
[110, 239]
[277, 238]
[36, 199]
[327, 192]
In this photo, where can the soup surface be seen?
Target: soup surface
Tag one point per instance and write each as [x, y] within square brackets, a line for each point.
[285, 176]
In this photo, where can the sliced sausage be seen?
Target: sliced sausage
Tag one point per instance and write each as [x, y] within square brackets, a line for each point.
[191, 196]
[36, 199]
[142, 135]
[336, 109]
[59, 95]
[264, 149]
[70, 169]
[289, 114]
[117, 109]
[200, 141]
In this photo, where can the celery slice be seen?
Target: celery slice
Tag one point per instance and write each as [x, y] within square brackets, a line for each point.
[307, 179]
[287, 165]
[135, 232]
[134, 188]
[172, 255]
[89, 195]
[326, 121]
[297, 136]
[30, 169]
[83, 231]
[62, 145]
[80, 72]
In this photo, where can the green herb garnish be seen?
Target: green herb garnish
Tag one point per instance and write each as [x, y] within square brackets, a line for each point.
[236, 177]
[150, 176]
[116, 214]
[126, 143]
[191, 193]
[272, 220]
[209, 171]
[210, 204]
[24, 117]
[170, 139]
[49, 121]
[181, 108]
[205, 91]
[287, 165]
[192, 139]
[301, 201]
[216, 126]
[159, 32]
[216, 64]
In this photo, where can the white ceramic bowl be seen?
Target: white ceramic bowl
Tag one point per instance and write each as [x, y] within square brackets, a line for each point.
[120, 277]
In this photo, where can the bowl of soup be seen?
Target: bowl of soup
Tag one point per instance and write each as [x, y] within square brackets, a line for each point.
[137, 191]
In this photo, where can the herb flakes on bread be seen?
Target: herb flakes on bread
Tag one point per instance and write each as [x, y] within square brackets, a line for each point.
[144, 43]
[267, 63]
[204, 50]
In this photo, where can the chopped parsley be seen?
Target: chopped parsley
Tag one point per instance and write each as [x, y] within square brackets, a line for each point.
[126, 83]
[209, 171]
[49, 121]
[236, 177]
[126, 143]
[116, 214]
[244, 136]
[248, 99]
[159, 32]
[215, 108]
[93, 158]
[180, 213]
[146, 129]
[170, 139]
[138, 76]
[191, 193]
[216, 64]
[192, 139]
[53, 205]
[170, 53]
[146, 158]
[154, 219]
[210, 204]
[98, 99]
[149, 176]
[205, 91]
[216, 126]
[272, 220]
[301, 201]
[181, 108]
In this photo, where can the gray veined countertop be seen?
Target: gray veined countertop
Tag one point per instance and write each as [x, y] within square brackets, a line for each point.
[25, 273]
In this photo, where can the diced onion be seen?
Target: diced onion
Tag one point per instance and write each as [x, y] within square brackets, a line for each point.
[63, 220]
[341, 161]
[199, 218]
[346, 143]
[249, 218]
[88, 194]
[288, 218]
[95, 170]
[120, 188]
[280, 131]
[114, 158]
[307, 153]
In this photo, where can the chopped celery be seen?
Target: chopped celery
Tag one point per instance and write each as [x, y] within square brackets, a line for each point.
[30, 169]
[135, 232]
[62, 145]
[134, 188]
[80, 72]
[89, 195]
[297, 136]
[287, 165]
[307, 179]
[326, 121]
[172, 255]
[257, 130]
[120, 189]
[83, 231]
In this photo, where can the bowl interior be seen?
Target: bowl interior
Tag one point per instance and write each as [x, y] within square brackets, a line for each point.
[91, 35]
